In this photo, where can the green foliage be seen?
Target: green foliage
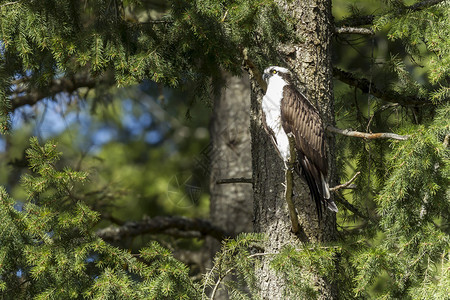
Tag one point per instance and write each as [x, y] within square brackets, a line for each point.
[192, 42]
[42, 161]
[406, 85]
[412, 218]
[49, 249]
[395, 239]
[414, 205]
[301, 266]
[422, 31]
[236, 263]
[234, 267]
[419, 176]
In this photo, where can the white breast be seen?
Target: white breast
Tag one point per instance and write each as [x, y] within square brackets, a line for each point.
[271, 105]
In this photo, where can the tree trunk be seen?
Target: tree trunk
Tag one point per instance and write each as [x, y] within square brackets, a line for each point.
[231, 203]
[231, 206]
[310, 62]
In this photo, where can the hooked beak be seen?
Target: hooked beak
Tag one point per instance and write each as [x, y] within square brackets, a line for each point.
[265, 77]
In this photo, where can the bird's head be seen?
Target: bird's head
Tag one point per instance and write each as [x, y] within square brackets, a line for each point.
[276, 72]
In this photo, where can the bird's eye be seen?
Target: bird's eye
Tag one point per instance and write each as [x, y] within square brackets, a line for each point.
[274, 71]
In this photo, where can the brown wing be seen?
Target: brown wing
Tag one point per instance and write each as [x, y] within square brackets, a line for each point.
[301, 118]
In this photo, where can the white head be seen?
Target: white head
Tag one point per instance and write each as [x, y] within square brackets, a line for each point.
[278, 73]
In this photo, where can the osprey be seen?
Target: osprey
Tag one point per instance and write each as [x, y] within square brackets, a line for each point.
[287, 111]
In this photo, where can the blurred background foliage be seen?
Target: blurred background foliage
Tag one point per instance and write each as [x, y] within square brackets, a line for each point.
[144, 156]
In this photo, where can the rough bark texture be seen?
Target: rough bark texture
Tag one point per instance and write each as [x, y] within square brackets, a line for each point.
[231, 203]
[310, 61]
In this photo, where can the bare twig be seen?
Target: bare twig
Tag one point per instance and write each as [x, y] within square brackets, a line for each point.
[219, 280]
[369, 136]
[258, 254]
[9, 3]
[206, 280]
[345, 185]
[224, 16]
[354, 30]
[446, 140]
[234, 180]
[151, 22]
[297, 249]
[179, 226]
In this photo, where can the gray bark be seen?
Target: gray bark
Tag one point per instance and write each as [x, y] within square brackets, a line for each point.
[231, 203]
[310, 61]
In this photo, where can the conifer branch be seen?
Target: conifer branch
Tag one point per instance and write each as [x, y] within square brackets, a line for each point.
[353, 30]
[423, 5]
[351, 207]
[390, 96]
[33, 95]
[219, 280]
[178, 226]
[368, 19]
[369, 136]
[253, 70]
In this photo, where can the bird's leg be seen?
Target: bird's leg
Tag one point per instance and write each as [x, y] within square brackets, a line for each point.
[290, 183]
[289, 165]
[289, 201]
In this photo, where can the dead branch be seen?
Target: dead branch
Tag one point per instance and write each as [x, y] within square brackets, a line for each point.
[386, 95]
[9, 3]
[173, 225]
[32, 95]
[354, 30]
[369, 136]
[157, 22]
[446, 140]
[234, 180]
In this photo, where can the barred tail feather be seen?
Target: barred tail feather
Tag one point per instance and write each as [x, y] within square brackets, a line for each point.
[325, 188]
[331, 205]
[303, 170]
[326, 195]
[318, 187]
[314, 192]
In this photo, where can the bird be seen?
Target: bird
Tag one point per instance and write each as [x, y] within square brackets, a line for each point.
[286, 111]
